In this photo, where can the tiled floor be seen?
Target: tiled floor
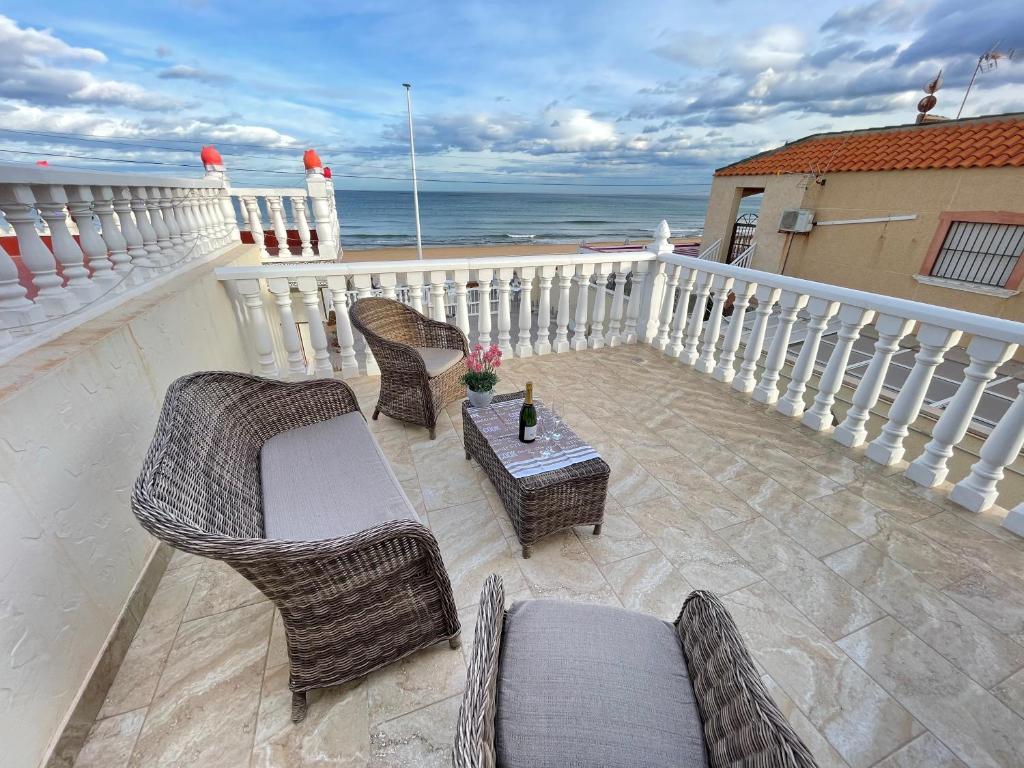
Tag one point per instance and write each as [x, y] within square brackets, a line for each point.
[889, 625]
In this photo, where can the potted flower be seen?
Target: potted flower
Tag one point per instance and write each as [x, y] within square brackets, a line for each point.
[480, 376]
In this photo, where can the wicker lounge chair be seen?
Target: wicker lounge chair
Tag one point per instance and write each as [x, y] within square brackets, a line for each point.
[420, 360]
[554, 683]
[285, 483]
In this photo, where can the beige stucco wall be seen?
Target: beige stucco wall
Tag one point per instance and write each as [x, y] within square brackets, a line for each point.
[882, 257]
[76, 417]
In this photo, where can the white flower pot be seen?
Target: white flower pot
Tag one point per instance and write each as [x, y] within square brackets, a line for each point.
[479, 399]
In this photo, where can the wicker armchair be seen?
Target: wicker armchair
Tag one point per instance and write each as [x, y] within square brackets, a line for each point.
[350, 604]
[740, 723]
[393, 332]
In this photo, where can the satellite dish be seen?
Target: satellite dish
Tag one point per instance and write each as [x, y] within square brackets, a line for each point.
[934, 84]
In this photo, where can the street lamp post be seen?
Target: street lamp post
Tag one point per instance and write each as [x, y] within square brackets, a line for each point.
[412, 158]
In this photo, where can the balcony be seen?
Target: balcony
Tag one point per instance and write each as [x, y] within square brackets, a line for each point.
[860, 524]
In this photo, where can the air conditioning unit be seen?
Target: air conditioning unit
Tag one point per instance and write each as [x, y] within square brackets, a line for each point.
[797, 220]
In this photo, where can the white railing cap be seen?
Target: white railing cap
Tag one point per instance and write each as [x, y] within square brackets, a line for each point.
[968, 322]
[269, 192]
[23, 173]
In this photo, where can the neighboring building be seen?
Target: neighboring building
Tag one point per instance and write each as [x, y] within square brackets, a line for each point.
[931, 212]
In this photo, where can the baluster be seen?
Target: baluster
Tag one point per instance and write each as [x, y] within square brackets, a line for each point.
[190, 205]
[851, 320]
[163, 234]
[310, 292]
[504, 310]
[767, 390]
[17, 204]
[766, 298]
[483, 318]
[415, 282]
[166, 202]
[364, 286]
[652, 321]
[742, 291]
[579, 336]
[721, 286]
[437, 280]
[226, 212]
[668, 304]
[693, 328]
[213, 233]
[221, 228]
[338, 286]
[16, 309]
[302, 225]
[51, 202]
[891, 329]
[255, 226]
[562, 316]
[821, 311]
[638, 288]
[978, 491]
[282, 293]
[523, 347]
[263, 342]
[145, 226]
[461, 277]
[600, 292]
[189, 235]
[81, 207]
[388, 282]
[929, 469]
[544, 277]
[687, 277]
[1014, 520]
[887, 449]
[122, 205]
[276, 208]
[613, 337]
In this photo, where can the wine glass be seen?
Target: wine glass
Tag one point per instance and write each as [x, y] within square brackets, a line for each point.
[556, 412]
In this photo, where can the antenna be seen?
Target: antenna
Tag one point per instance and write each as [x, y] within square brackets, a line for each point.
[415, 186]
[928, 103]
[988, 61]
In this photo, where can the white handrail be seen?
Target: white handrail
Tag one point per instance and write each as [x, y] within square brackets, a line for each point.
[268, 192]
[23, 173]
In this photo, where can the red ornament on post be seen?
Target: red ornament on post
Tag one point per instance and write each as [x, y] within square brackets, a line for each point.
[311, 160]
[210, 156]
[327, 171]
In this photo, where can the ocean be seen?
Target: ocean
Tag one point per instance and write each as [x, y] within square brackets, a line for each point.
[376, 219]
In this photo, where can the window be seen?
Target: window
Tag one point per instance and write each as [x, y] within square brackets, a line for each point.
[979, 252]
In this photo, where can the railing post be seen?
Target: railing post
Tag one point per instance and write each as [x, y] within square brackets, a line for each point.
[767, 390]
[742, 291]
[302, 226]
[215, 170]
[310, 291]
[437, 281]
[792, 402]
[338, 286]
[650, 318]
[579, 336]
[483, 318]
[561, 343]
[696, 323]
[545, 275]
[523, 346]
[721, 287]
[613, 338]
[461, 278]
[597, 322]
[891, 329]
[687, 277]
[668, 302]
[978, 491]
[851, 320]
[276, 207]
[51, 202]
[364, 286]
[505, 310]
[281, 291]
[887, 449]
[320, 195]
[252, 294]
[80, 204]
[767, 297]
[638, 288]
[929, 469]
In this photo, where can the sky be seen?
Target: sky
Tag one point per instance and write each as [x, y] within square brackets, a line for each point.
[627, 97]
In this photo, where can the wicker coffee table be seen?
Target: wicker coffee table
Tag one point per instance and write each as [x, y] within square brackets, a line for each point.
[544, 503]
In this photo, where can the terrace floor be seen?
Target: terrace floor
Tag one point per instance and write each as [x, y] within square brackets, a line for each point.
[889, 625]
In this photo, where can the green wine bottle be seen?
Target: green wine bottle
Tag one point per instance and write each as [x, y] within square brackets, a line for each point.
[528, 417]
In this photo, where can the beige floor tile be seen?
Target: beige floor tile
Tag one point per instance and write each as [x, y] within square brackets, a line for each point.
[832, 605]
[446, 478]
[1011, 692]
[620, 537]
[110, 742]
[423, 738]
[220, 588]
[924, 556]
[969, 720]
[334, 733]
[969, 643]
[204, 712]
[981, 549]
[277, 652]
[648, 583]
[423, 678]
[925, 751]
[859, 719]
[709, 499]
[824, 753]
[560, 568]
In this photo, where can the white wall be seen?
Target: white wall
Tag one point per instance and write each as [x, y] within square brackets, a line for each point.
[76, 417]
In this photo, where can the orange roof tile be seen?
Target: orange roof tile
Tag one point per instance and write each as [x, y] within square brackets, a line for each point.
[990, 142]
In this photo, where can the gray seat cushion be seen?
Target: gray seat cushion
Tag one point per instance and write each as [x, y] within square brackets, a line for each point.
[438, 360]
[585, 686]
[327, 480]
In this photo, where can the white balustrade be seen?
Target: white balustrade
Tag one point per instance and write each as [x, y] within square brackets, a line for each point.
[122, 205]
[281, 290]
[766, 297]
[851, 320]
[338, 286]
[310, 292]
[721, 286]
[579, 336]
[524, 348]
[163, 234]
[686, 278]
[614, 336]
[259, 328]
[544, 277]
[80, 205]
[742, 291]
[483, 320]
[821, 311]
[696, 321]
[601, 275]
[561, 343]
[363, 284]
[302, 225]
[16, 310]
[505, 310]
[166, 203]
[276, 206]
[437, 283]
[638, 291]
[140, 209]
[667, 303]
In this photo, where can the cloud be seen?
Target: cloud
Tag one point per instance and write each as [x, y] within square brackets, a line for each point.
[18, 45]
[163, 52]
[874, 17]
[957, 30]
[184, 72]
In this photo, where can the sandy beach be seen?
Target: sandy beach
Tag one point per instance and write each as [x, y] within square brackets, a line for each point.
[476, 251]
